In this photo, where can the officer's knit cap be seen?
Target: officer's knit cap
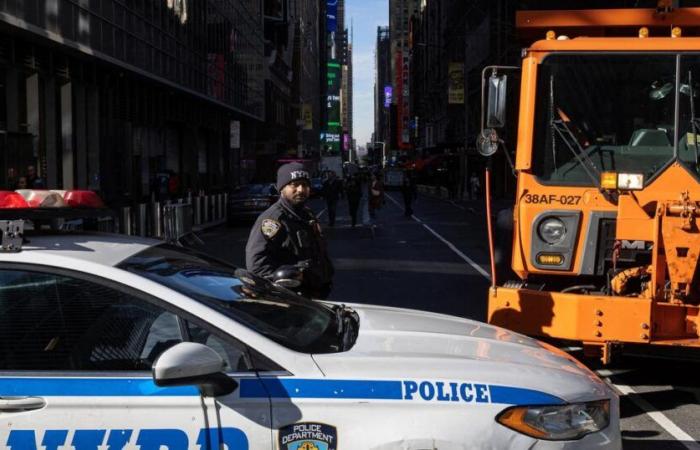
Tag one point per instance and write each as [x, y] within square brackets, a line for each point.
[290, 172]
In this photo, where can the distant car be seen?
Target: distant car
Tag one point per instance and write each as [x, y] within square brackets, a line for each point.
[393, 178]
[248, 201]
[316, 187]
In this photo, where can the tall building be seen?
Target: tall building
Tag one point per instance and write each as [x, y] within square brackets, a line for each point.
[307, 77]
[108, 95]
[331, 128]
[346, 104]
[383, 89]
[400, 13]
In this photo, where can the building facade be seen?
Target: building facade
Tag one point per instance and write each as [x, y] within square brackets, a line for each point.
[109, 95]
[383, 90]
[346, 104]
[400, 23]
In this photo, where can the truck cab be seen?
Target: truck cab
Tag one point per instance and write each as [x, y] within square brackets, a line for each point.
[605, 239]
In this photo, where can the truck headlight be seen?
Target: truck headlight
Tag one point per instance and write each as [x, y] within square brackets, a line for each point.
[552, 230]
[557, 423]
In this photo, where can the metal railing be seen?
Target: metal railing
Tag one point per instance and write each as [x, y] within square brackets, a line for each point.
[171, 220]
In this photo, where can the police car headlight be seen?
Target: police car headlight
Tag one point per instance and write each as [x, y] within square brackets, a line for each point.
[557, 423]
[552, 230]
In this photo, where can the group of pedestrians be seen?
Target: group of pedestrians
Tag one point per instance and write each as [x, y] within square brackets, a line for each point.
[352, 188]
[30, 179]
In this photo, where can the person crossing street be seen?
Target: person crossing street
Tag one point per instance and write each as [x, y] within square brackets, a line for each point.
[353, 192]
[332, 190]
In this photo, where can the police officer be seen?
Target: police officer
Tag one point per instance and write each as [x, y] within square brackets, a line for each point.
[288, 233]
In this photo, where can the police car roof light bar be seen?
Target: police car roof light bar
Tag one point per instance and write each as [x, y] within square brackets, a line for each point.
[35, 204]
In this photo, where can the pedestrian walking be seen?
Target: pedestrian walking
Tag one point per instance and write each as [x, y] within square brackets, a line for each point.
[34, 181]
[353, 192]
[376, 195]
[474, 186]
[408, 190]
[288, 234]
[332, 190]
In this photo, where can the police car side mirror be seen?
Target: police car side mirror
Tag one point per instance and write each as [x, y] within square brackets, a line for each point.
[193, 364]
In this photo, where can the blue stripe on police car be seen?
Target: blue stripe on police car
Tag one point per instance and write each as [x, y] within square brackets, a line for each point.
[400, 390]
[406, 390]
[147, 439]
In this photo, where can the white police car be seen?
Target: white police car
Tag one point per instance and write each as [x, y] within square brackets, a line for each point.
[114, 342]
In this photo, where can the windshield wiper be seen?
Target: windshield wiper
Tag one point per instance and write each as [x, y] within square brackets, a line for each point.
[348, 323]
[579, 153]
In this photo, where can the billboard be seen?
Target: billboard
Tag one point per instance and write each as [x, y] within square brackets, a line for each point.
[455, 83]
[331, 16]
[307, 116]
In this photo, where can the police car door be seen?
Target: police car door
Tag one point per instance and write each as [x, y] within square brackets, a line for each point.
[75, 370]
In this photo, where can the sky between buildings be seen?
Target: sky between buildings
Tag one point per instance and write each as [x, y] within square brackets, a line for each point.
[366, 16]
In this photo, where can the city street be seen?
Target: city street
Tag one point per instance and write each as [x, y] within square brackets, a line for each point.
[438, 261]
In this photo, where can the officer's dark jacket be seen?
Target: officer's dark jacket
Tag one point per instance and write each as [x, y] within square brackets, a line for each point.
[287, 235]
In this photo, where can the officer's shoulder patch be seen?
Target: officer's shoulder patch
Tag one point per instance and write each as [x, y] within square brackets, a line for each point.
[270, 227]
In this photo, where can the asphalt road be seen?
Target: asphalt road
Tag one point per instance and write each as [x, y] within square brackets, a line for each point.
[438, 261]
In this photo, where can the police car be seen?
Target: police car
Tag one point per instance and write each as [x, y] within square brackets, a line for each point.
[115, 342]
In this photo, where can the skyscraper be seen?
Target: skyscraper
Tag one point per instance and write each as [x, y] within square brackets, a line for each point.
[383, 88]
[400, 12]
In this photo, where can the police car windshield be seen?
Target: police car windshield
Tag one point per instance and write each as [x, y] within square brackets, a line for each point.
[293, 321]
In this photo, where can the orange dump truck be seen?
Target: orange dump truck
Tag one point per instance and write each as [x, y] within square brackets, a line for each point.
[606, 238]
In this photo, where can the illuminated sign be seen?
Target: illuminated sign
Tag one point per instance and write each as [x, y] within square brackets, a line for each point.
[388, 95]
[179, 7]
[331, 15]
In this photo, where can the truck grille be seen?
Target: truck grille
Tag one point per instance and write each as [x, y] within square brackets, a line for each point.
[606, 244]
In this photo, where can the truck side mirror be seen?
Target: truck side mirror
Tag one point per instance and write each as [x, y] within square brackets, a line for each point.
[487, 142]
[496, 105]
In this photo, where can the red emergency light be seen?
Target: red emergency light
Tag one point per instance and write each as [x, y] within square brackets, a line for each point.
[83, 199]
[12, 200]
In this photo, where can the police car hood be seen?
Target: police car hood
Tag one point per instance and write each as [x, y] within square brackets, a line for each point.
[398, 343]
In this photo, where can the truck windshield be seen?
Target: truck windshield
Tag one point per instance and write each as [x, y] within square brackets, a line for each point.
[603, 112]
[689, 121]
[297, 323]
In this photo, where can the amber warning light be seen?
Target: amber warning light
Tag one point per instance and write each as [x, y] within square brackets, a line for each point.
[621, 181]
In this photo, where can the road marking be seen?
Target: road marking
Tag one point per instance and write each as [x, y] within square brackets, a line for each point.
[612, 372]
[452, 247]
[671, 428]
[457, 205]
